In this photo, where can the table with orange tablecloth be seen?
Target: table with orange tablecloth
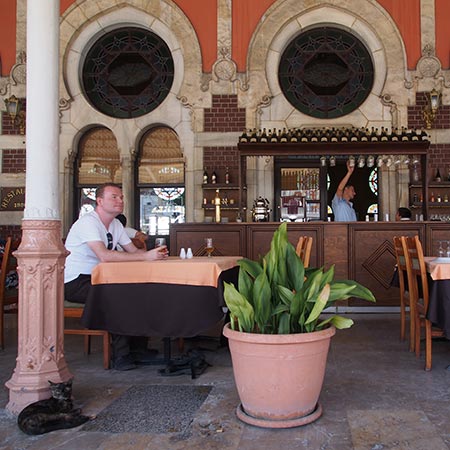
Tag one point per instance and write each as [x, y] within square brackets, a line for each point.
[439, 292]
[169, 298]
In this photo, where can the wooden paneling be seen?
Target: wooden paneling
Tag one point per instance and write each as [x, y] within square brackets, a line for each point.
[362, 251]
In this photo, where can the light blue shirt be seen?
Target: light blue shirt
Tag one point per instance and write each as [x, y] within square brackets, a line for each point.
[343, 210]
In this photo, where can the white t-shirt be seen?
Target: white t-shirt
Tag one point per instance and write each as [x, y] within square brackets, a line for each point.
[89, 228]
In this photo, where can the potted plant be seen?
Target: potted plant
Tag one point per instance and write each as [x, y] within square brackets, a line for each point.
[278, 340]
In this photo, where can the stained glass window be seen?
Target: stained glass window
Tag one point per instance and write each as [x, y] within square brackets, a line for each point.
[326, 72]
[128, 72]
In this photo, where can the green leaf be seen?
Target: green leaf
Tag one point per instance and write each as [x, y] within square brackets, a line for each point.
[338, 321]
[359, 290]
[253, 268]
[262, 300]
[239, 307]
[319, 304]
[286, 295]
[284, 324]
[245, 283]
[295, 269]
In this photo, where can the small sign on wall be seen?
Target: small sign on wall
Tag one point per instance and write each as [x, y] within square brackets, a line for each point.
[12, 199]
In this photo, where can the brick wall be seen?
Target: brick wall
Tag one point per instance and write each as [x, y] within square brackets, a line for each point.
[10, 230]
[13, 160]
[218, 159]
[439, 158]
[224, 115]
[415, 116]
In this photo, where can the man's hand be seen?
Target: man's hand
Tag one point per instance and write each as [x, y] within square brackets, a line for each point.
[157, 253]
[350, 168]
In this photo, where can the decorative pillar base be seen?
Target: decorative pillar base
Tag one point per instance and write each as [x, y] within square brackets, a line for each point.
[40, 256]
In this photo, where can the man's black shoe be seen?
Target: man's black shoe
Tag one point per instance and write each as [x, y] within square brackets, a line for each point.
[123, 363]
[144, 356]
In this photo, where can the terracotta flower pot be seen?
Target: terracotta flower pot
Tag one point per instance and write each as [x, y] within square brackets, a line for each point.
[279, 377]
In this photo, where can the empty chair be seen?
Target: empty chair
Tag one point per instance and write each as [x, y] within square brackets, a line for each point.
[418, 284]
[9, 295]
[401, 255]
[75, 310]
[303, 249]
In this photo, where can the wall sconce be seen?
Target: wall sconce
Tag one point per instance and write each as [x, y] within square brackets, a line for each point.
[430, 111]
[15, 112]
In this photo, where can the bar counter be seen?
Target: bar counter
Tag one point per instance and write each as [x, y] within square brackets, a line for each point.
[362, 251]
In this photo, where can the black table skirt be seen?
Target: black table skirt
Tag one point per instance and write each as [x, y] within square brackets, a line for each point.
[156, 309]
[439, 307]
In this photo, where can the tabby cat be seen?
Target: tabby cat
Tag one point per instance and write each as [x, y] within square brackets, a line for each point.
[51, 414]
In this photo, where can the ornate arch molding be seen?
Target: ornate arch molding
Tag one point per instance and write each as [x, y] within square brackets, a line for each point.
[281, 26]
[82, 24]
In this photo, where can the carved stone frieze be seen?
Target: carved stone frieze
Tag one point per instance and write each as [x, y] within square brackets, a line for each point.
[19, 70]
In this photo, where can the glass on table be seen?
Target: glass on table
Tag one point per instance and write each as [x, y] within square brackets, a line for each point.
[440, 250]
[159, 242]
[209, 246]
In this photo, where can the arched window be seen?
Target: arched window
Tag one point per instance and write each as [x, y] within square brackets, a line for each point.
[160, 181]
[97, 162]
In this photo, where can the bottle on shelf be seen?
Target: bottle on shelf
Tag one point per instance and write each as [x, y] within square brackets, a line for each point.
[384, 135]
[254, 136]
[273, 136]
[227, 176]
[374, 135]
[432, 197]
[439, 198]
[263, 137]
[214, 178]
[394, 135]
[445, 198]
[284, 136]
[244, 137]
[205, 176]
[438, 178]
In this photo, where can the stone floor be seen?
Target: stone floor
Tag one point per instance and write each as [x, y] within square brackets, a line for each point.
[376, 395]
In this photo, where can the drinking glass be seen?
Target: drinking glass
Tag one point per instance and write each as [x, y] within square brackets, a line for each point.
[209, 247]
[440, 251]
[160, 242]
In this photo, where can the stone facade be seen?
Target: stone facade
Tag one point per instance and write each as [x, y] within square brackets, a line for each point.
[208, 110]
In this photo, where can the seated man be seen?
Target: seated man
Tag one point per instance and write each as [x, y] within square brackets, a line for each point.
[93, 239]
[403, 214]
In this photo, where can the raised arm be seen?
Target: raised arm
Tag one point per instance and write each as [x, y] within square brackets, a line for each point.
[343, 183]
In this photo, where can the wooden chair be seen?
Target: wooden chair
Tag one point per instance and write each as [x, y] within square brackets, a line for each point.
[9, 297]
[303, 249]
[402, 256]
[417, 276]
[75, 310]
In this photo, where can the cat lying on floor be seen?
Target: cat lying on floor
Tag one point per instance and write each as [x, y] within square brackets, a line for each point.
[51, 414]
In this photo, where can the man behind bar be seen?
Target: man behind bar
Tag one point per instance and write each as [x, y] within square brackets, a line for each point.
[341, 204]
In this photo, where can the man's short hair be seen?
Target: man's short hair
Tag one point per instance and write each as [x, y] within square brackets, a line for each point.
[100, 191]
[404, 213]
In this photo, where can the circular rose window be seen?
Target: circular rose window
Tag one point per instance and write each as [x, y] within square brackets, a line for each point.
[326, 73]
[128, 72]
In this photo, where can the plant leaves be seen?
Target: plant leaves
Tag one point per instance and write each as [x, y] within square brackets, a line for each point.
[338, 321]
[319, 304]
[262, 295]
[239, 307]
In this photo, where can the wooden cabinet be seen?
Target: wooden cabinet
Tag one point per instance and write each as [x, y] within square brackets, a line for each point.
[438, 201]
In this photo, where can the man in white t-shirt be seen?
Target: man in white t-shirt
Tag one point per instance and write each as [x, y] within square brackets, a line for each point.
[93, 239]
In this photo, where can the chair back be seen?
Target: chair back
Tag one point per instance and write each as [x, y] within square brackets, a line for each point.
[402, 257]
[303, 249]
[417, 274]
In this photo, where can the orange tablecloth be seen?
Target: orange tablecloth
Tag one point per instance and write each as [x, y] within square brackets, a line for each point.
[437, 270]
[197, 271]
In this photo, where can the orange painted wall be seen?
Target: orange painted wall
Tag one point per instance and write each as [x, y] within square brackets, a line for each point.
[406, 14]
[442, 11]
[7, 36]
[245, 14]
[203, 16]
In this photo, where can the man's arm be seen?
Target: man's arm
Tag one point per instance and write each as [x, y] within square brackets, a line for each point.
[131, 253]
[342, 184]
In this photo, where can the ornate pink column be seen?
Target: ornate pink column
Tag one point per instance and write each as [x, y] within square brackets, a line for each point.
[41, 254]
